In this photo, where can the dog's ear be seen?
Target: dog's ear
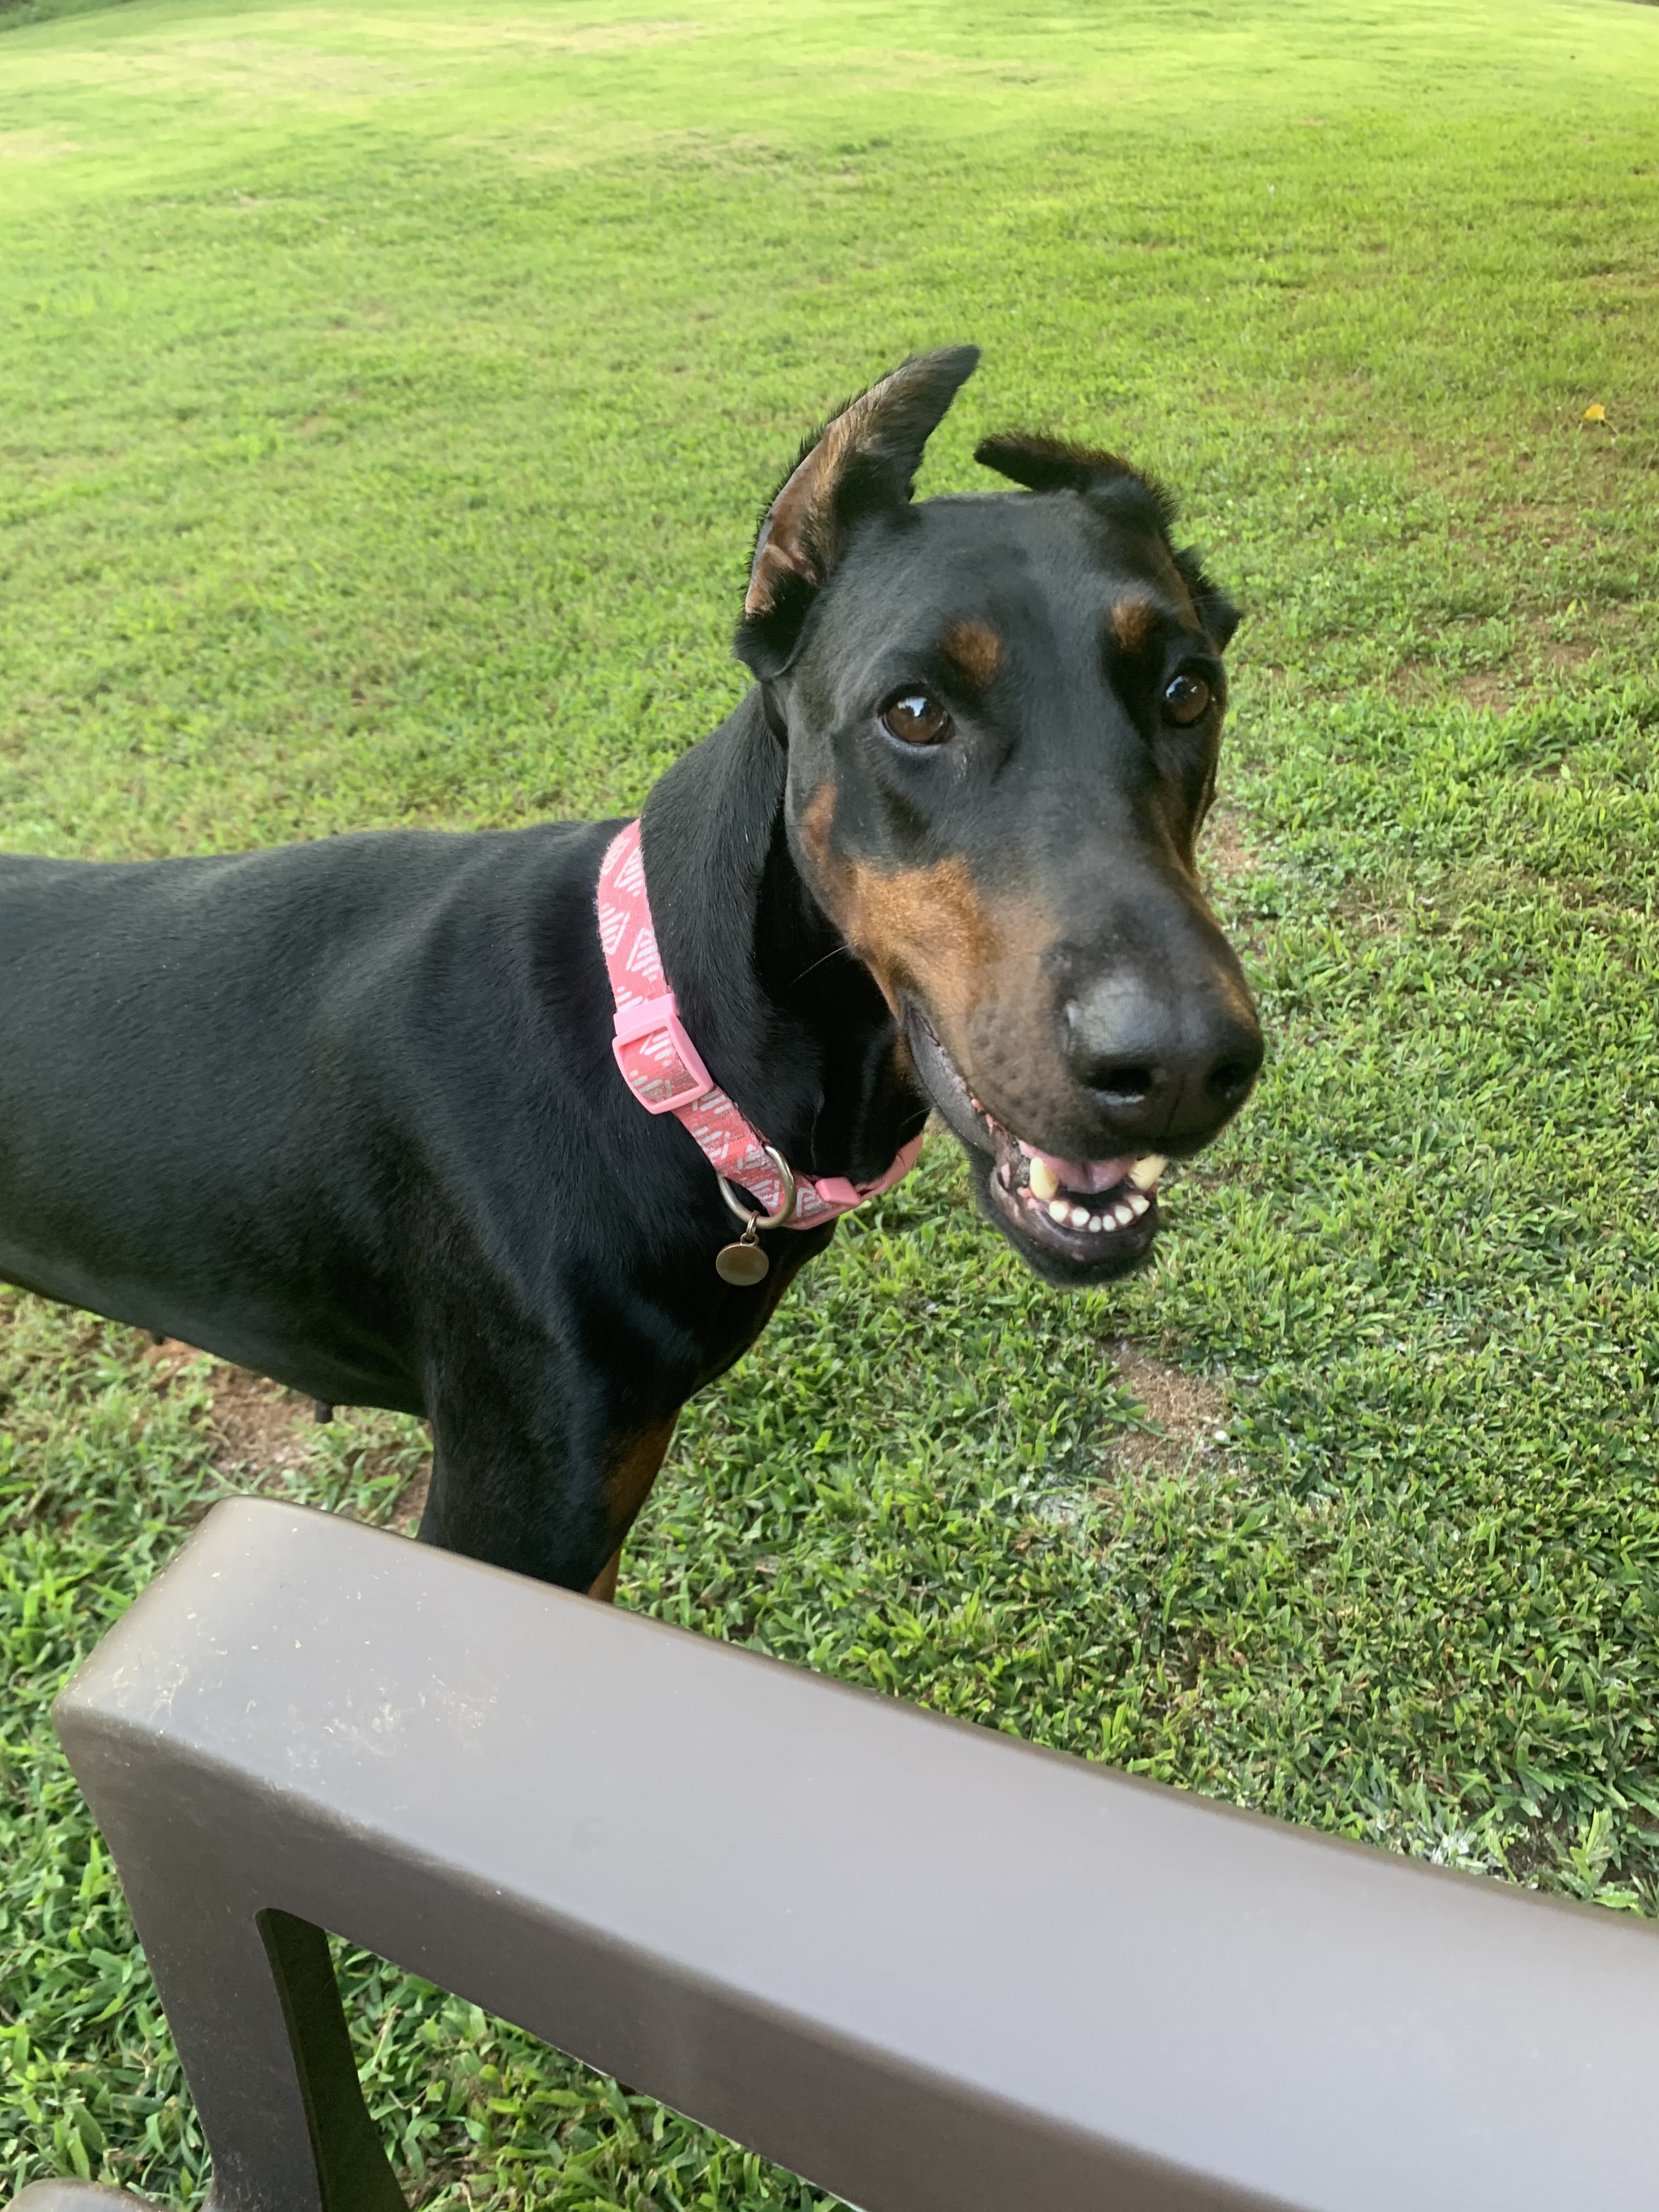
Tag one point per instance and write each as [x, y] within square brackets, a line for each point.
[864, 459]
[1219, 616]
[1049, 464]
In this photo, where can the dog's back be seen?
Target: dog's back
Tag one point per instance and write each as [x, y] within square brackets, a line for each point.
[202, 1062]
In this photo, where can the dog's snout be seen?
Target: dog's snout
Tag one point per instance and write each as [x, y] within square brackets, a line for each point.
[1165, 1069]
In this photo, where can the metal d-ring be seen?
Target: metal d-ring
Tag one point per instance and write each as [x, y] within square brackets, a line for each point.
[751, 1220]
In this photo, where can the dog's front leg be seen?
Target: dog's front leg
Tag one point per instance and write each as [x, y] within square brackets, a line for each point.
[537, 1464]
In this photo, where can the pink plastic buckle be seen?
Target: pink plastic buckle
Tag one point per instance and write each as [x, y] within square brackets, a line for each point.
[661, 1076]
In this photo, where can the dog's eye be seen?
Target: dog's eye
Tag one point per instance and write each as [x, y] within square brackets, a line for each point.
[1186, 699]
[916, 720]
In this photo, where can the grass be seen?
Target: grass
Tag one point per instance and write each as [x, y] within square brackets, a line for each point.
[391, 399]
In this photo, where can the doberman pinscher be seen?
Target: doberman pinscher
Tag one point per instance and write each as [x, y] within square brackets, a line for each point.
[357, 1114]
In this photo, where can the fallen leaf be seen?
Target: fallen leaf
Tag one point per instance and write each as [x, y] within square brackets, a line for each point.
[1598, 413]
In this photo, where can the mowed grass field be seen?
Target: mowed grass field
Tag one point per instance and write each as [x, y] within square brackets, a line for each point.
[388, 401]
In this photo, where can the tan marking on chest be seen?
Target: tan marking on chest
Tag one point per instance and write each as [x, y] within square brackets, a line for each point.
[633, 1464]
[632, 1471]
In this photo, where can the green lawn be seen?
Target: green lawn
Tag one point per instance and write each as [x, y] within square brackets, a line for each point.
[388, 401]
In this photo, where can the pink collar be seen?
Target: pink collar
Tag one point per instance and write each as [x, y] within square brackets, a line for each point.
[660, 1066]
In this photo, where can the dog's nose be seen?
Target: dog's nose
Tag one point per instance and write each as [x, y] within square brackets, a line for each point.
[1165, 1067]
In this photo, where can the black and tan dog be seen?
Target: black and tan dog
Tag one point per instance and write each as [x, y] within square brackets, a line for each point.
[348, 1113]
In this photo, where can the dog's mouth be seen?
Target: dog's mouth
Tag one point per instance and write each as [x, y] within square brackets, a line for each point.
[1095, 1218]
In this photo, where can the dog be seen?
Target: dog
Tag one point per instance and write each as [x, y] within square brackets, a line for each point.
[528, 1131]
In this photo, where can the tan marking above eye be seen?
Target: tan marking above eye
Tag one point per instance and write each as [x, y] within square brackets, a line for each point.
[1133, 621]
[975, 648]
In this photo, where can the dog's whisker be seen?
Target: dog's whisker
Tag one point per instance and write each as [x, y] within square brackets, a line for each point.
[836, 952]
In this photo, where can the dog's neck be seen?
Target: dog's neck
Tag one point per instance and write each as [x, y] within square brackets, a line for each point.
[788, 1019]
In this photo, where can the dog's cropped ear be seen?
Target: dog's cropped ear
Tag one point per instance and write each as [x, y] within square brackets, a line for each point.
[1219, 616]
[1049, 464]
[864, 459]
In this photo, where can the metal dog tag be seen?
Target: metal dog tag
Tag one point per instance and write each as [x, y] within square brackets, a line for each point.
[741, 1264]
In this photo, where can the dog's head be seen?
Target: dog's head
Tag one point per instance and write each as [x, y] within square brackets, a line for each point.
[1002, 714]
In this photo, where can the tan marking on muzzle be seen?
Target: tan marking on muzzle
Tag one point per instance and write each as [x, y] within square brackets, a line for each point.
[925, 927]
[975, 965]
[817, 820]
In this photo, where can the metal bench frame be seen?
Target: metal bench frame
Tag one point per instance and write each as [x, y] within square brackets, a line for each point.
[927, 1966]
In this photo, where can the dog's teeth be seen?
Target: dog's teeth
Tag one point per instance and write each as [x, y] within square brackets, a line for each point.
[1044, 1181]
[1080, 1217]
[1137, 1205]
[1123, 1213]
[1095, 1224]
[1059, 1211]
[1144, 1173]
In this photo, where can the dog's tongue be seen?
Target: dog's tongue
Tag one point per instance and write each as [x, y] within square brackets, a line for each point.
[1083, 1175]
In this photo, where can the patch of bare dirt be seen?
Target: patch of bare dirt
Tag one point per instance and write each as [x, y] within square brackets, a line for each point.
[1489, 690]
[491, 34]
[1495, 690]
[1224, 849]
[411, 1506]
[1186, 1411]
[1363, 914]
[34, 146]
[1538, 661]
[260, 1430]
